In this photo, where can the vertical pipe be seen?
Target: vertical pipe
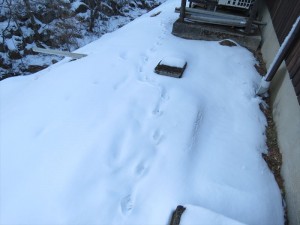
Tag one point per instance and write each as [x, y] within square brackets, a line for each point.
[284, 49]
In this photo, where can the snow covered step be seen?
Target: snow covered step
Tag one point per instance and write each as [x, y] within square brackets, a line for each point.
[196, 215]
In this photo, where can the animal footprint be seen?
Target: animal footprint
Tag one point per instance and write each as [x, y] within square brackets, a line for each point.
[146, 58]
[153, 49]
[40, 132]
[120, 83]
[157, 112]
[141, 69]
[157, 136]
[126, 204]
[123, 55]
[163, 94]
[140, 170]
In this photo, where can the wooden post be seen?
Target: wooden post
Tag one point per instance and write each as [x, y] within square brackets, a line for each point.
[182, 10]
[176, 216]
[251, 17]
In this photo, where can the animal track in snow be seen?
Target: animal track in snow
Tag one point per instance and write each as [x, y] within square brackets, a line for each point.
[163, 94]
[156, 137]
[120, 83]
[157, 112]
[140, 170]
[153, 49]
[141, 69]
[196, 129]
[159, 43]
[146, 58]
[126, 204]
[40, 131]
[162, 99]
[124, 55]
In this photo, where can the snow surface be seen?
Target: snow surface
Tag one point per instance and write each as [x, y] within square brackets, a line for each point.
[104, 140]
[173, 62]
[195, 215]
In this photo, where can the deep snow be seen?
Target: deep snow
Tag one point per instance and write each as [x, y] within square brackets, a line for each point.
[105, 140]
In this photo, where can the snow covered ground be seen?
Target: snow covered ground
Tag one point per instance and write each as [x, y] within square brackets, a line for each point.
[105, 140]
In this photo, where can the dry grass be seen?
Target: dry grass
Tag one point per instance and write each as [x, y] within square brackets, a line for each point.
[273, 158]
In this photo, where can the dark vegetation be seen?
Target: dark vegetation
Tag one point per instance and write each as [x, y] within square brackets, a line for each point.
[273, 157]
[56, 24]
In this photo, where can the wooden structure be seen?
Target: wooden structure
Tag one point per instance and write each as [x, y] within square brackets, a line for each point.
[284, 15]
[170, 66]
[176, 216]
[218, 24]
[219, 18]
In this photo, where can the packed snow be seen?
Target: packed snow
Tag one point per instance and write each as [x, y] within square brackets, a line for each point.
[105, 140]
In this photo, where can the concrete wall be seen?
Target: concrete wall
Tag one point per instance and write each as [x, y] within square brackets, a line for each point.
[286, 113]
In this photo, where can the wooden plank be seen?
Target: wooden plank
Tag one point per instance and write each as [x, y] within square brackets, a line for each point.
[283, 51]
[274, 6]
[296, 78]
[293, 59]
[283, 25]
[293, 53]
[293, 66]
[297, 89]
[253, 13]
[58, 52]
[283, 14]
[290, 14]
[167, 69]
[182, 10]
[176, 216]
